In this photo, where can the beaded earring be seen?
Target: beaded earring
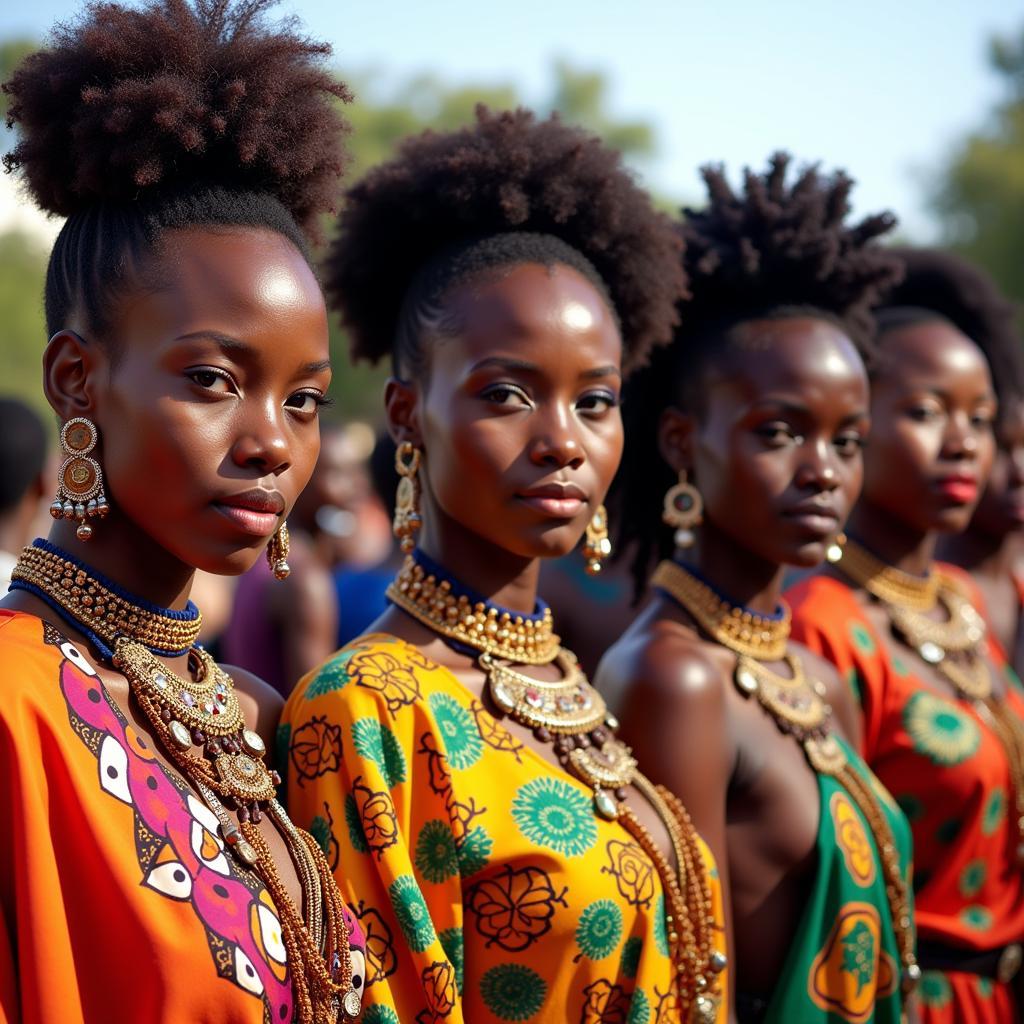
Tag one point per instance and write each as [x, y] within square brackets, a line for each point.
[683, 510]
[596, 545]
[408, 520]
[834, 552]
[277, 553]
[80, 480]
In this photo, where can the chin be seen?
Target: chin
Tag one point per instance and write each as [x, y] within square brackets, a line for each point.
[806, 556]
[953, 520]
[230, 563]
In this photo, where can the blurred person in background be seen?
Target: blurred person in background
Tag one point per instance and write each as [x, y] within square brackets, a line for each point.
[23, 484]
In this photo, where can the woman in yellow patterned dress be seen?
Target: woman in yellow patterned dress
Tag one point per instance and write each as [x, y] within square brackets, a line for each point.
[511, 862]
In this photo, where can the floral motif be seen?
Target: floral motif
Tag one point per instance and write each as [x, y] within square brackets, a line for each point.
[512, 992]
[322, 830]
[332, 675]
[354, 823]
[473, 851]
[492, 733]
[629, 962]
[439, 988]
[994, 813]
[377, 742]
[380, 826]
[935, 991]
[666, 1007]
[436, 858]
[862, 638]
[639, 1008]
[972, 878]
[411, 912]
[316, 749]
[604, 1003]
[459, 734]
[380, 945]
[599, 930]
[661, 926]
[940, 730]
[514, 908]
[382, 672]
[452, 943]
[633, 872]
[553, 813]
[976, 917]
[379, 1015]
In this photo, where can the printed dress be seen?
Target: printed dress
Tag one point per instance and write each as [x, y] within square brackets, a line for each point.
[119, 902]
[949, 773]
[488, 888]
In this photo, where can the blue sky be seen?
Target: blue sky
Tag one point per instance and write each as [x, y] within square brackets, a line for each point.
[882, 88]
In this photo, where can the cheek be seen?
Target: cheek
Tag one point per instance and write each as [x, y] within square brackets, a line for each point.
[745, 483]
[902, 452]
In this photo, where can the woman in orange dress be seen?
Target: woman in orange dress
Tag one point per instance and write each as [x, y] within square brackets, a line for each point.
[508, 860]
[147, 871]
[941, 728]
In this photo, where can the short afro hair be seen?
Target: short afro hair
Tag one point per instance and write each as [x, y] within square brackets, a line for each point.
[940, 283]
[177, 113]
[775, 250]
[446, 196]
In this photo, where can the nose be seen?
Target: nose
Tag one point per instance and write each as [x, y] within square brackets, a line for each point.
[262, 441]
[556, 442]
[819, 467]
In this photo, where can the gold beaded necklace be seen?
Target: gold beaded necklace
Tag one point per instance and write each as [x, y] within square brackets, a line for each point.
[227, 771]
[572, 715]
[799, 709]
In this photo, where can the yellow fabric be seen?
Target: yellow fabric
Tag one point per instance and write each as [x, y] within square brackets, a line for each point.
[488, 888]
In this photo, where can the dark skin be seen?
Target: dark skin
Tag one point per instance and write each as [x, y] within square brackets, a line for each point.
[992, 547]
[776, 454]
[522, 395]
[206, 387]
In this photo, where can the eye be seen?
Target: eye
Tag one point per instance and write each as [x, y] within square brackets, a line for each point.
[505, 394]
[982, 420]
[923, 413]
[776, 435]
[597, 402]
[849, 445]
[209, 378]
[307, 402]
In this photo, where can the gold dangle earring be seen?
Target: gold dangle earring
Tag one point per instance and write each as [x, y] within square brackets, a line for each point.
[834, 552]
[596, 546]
[408, 520]
[277, 553]
[683, 510]
[80, 481]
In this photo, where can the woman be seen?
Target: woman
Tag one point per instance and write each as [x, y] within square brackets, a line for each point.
[750, 427]
[510, 862]
[146, 870]
[940, 728]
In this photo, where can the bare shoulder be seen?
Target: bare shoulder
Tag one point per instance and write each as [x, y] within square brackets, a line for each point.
[261, 704]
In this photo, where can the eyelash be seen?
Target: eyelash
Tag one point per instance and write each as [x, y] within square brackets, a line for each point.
[318, 397]
[494, 393]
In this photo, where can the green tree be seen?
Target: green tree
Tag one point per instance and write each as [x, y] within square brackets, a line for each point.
[979, 193]
[23, 330]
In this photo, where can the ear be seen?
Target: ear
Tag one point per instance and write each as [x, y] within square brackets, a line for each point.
[676, 438]
[73, 374]
[401, 404]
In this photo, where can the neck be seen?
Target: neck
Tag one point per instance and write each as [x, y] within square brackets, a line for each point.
[982, 553]
[737, 573]
[501, 577]
[123, 553]
[893, 540]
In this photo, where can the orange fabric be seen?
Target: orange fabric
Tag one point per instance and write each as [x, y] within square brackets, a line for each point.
[118, 901]
[950, 774]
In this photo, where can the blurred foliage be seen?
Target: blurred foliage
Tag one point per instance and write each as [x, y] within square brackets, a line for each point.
[383, 113]
[979, 194]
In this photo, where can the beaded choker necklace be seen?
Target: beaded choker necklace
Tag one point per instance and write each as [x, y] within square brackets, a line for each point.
[799, 709]
[570, 714]
[227, 769]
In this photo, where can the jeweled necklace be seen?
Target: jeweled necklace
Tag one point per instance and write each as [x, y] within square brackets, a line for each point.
[227, 769]
[955, 647]
[799, 709]
[571, 714]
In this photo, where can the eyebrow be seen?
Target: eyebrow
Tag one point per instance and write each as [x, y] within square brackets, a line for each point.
[507, 363]
[235, 345]
[803, 410]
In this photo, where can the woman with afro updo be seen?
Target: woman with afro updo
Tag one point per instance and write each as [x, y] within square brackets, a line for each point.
[510, 861]
[147, 871]
[943, 727]
[743, 458]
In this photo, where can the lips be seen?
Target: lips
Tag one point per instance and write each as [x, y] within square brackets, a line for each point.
[256, 512]
[556, 500]
[814, 516]
[960, 488]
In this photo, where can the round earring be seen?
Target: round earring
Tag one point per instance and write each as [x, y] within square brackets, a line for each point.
[408, 520]
[596, 546]
[683, 510]
[834, 552]
[80, 480]
[277, 553]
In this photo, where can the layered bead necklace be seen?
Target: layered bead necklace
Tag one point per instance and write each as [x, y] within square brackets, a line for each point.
[570, 714]
[799, 709]
[200, 724]
[954, 646]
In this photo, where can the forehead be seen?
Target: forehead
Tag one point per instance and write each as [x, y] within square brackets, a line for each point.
[931, 351]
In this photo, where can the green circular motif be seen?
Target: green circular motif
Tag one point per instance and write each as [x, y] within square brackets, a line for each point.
[948, 830]
[320, 830]
[512, 991]
[436, 858]
[639, 1008]
[911, 806]
[332, 676]
[978, 918]
[629, 963]
[379, 1015]
[354, 822]
[940, 730]
[461, 737]
[454, 948]
[862, 638]
[661, 926]
[377, 742]
[411, 911]
[599, 930]
[972, 878]
[474, 850]
[935, 991]
[984, 987]
[553, 813]
[899, 666]
[994, 813]
[853, 680]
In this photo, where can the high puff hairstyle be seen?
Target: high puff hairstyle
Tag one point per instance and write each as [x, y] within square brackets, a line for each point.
[178, 113]
[775, 250]
[939, 285]
[509, 189]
